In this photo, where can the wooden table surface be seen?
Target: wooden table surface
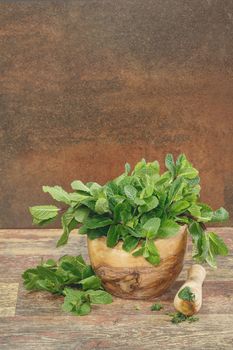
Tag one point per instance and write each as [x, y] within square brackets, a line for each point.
[36, 321]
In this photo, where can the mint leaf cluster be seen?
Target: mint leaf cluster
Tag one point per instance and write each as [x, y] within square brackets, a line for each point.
[178, 317]
[139, 207]
[79, 302]
[156, 307]
[71, 277]
[186, 294]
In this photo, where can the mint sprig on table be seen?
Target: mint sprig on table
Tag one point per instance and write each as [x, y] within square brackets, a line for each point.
[178, 317]
[71, 277]
[137, 208]
[156, 307]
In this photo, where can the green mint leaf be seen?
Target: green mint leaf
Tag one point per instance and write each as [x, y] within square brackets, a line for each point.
[220, 215]
[79, 198]
[138, 252]
[153, 169]
[192, 319]
[195, 181]
[179, 207]
[137, 232]
[151, 253]
[47, 273]
[58, 194]
[42, 213]
[207, 245]
[87, 272]
[156, 307]
[127, 168]
[206, 213]
[92, 282]
[63, 239]
[204, 248]
[175, 188]
[43, 222]
[122, 212]
[88, 202]
[79, 186]
[101, 206]
[130, 243]
[151, 227]
[170, 164]
[217, 244]
[112, 236]
[98, 232]
[150, 244]
[139, 201]
[185, 168]
[140, 167]
[189, 173]
[195, 210]
[186, 294]
[99, 297]
[42, 278]
[50, 263]
[83, 230]
[68, 269]
[181, 159]
[178, 317]
[149, 204]
[210, 258]
[148, 190]
[73, 294]
[130, 192]
[153, 259]
[74, 269]
[195, 230]
[83, 309]
[97, 222]
[168, 228]
[81, 214]
[200, 246]
[68, 224]
[95, 190]
[76, 302]
[79, 303]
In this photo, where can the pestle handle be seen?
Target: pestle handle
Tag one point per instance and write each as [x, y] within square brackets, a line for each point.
[196, 276]
[197, 273]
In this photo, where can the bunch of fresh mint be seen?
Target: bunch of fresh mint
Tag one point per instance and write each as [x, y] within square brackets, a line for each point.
[137, 208]
[71, 277]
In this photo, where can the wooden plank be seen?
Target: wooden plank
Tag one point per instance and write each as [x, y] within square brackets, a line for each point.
[43, 241]
[120, 332]
[8, 298]
[39, 322]
[38, 242]
[217, 298]
[20, 251]
[17, 264]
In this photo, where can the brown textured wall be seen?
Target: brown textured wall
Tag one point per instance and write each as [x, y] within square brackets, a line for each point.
[88, 85]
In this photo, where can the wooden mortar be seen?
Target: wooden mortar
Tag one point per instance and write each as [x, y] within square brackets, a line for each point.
[129, 277]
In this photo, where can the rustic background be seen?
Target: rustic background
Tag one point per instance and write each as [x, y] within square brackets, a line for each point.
[88, 85]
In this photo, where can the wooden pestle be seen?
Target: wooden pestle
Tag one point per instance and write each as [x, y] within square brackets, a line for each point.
[196, 276]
